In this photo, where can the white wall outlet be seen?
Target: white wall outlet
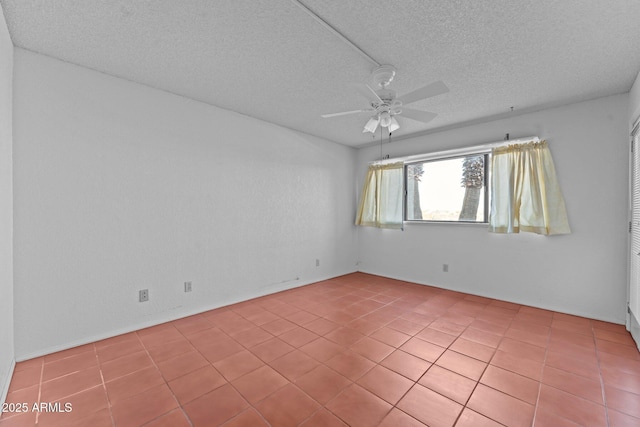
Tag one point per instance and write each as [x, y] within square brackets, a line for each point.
[317, 263]
[445, 268]
[144, 295]
[187, 286]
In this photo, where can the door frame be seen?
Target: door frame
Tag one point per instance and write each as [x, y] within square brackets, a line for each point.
[635, 130]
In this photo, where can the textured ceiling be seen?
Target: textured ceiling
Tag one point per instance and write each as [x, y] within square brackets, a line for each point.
[271, 60]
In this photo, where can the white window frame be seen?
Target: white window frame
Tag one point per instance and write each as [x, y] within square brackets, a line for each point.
[487, 200]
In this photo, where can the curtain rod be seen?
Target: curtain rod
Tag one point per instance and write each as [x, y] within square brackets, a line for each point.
[455, 151]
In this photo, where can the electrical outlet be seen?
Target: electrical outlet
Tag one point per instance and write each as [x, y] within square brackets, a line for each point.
[445, 268]
[187, 286]
[144, 295]
[317, 263]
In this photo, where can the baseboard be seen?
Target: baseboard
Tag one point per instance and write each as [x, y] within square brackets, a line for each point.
[4, 389]
[261, 291]
[480, 294]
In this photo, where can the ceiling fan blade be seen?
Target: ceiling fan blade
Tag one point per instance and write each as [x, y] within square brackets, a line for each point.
[420, 116]
[433, 89]
[344, 113]
[375, 94]
[365, 91]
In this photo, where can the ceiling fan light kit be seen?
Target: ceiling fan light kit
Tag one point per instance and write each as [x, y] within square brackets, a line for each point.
[393, 124]
[371, 125]
[385, 119]
[385, 105]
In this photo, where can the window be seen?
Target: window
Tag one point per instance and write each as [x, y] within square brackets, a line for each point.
[448, 189]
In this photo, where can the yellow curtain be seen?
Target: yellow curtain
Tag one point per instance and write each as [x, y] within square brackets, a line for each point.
[525, 195]
[381, 199]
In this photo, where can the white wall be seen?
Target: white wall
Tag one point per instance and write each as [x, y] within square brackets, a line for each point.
[120, 187]
[6, 210]
[582, 273]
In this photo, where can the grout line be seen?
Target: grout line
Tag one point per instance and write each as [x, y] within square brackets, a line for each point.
[104, 384]
[544, 364]
[163, 378]
[104, 387]
[604, 396]
[483, 371]
[40, 388]
[180, 406]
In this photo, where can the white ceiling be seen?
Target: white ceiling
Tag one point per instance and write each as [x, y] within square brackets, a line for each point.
[271, 60]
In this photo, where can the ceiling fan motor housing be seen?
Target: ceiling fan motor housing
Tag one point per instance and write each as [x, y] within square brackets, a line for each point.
[383, 75]
[386, 95]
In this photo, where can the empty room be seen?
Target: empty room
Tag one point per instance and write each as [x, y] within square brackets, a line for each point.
[319, 213]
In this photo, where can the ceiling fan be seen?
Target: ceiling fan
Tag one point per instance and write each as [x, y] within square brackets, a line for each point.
[385, 105]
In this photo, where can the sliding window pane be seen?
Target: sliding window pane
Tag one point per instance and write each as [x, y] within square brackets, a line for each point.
[447, 190]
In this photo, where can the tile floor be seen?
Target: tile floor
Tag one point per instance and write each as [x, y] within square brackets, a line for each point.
[357, 350]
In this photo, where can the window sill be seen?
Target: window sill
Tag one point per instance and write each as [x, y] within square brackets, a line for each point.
[462, 223]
